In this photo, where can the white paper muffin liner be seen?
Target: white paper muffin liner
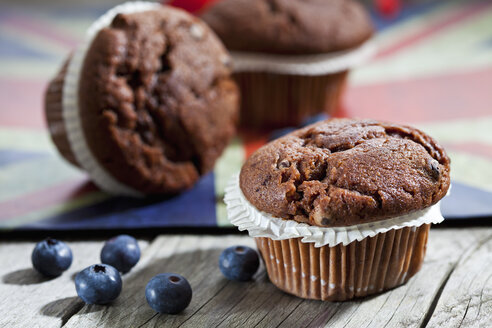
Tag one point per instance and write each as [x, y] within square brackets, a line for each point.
[245, 216]
[316, 64]
[70, 106]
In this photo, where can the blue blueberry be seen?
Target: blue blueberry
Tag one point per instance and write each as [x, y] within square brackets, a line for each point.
[314, 119]
[51, 257]
[280, 133]
[98, 284]
[239, 263]
[168, 293]
[121, 252]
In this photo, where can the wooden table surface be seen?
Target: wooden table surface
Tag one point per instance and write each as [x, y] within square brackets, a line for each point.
[453, 289]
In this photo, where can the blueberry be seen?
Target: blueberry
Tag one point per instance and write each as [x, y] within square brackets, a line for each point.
[121, 252]
[168, 293]
[280, 133]
[314, 119]
[51, 257]
[239, 263]
[98, 284]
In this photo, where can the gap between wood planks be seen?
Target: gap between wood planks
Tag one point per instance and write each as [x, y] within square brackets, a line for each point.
[73, 310]
[466, 286]
[320, 319]
[433, 305]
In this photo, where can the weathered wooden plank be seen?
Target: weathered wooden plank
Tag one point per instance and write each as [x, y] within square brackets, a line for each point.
[215, 299]
[196, 258]
[466, 299]
[408, 305]
[30, 300]
[218, 302]
[405, 306]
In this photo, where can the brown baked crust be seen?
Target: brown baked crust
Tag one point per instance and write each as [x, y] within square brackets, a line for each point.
[157, 102]
[289, 26]
[342, 172]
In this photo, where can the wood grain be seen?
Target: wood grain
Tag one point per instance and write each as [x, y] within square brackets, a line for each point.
[195, 258]
[452, 289]
[408, 305]
[30, 300]
[466, 299]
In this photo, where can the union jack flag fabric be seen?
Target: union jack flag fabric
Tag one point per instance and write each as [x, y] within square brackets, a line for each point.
[433, 70]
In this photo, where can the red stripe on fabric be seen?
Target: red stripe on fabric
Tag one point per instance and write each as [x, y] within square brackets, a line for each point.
[21, 103]
[437, 98]
[192, 6]
[252, 141]
[473, 148]
[43, 29]
[467, 13]
[44, 198]
[388, 8]
[341, 112]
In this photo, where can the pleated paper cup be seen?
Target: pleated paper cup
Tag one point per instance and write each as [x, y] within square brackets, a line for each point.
[338, 263]
[340, 273]
[271, 100]
[283, 90]
[54, 115]
[63, 112]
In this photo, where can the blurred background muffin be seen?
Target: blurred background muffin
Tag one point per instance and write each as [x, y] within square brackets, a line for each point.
[147, 105]
[409, 81]
[291, 57]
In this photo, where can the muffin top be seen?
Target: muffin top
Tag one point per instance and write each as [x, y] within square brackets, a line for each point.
[289, 26]
[343, 172]
[156, 100]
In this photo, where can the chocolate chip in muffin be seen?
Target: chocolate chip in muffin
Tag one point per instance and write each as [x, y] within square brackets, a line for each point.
[434, 169]
[283, 164]
[197, 31]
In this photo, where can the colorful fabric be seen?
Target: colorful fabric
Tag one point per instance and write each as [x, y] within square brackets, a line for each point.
[433, 70]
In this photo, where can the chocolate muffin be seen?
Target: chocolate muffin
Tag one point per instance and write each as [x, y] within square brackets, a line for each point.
[291, 57]
[342, 208]
[156, 102]
[342, 172]
[292, 27]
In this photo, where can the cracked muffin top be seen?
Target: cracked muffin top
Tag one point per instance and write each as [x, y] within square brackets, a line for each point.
[157, 102]
[343, 172]
[289, 26]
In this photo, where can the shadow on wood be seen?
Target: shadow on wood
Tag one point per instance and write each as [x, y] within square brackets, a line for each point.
[59, 307]
[27, 276]
[65, 308]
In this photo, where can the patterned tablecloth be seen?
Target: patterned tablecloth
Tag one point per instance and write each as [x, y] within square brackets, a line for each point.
[433, 70]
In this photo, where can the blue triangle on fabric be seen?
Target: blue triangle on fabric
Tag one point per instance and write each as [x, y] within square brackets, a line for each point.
[466, 201]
